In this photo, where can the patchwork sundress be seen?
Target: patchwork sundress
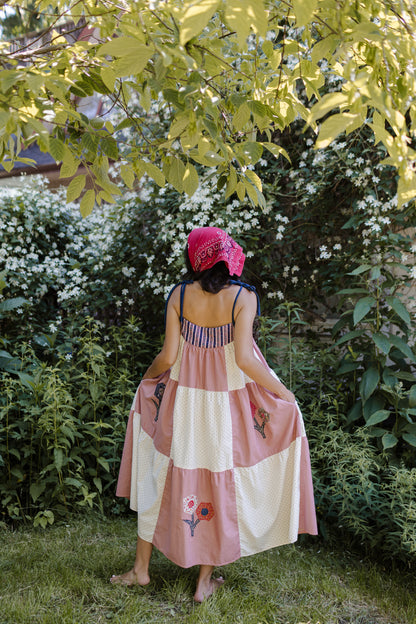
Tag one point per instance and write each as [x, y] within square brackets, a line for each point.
[216, 466]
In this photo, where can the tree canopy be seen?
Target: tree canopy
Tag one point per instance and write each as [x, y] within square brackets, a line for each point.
[231, 76]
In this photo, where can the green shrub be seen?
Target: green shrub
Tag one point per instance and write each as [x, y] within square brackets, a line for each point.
[357, 491]
[62, 431]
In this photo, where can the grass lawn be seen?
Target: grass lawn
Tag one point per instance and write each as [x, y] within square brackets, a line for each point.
[61, 576]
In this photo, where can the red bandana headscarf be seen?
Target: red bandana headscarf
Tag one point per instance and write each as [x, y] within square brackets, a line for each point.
[209, 245]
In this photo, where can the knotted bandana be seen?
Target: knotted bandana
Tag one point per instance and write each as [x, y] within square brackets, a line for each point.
[209, 245]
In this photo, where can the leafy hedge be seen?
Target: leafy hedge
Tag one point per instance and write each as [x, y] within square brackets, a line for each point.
[329, 243]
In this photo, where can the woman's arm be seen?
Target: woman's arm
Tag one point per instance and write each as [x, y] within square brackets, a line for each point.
[244, 354]
[167, 356]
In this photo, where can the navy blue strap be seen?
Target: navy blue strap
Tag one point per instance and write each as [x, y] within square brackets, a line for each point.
[183, 286]
[249, 287]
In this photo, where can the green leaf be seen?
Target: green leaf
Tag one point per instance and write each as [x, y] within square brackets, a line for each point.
[362, 307]
[58, 455]
[405, 375]
[56, 149]
[241, 190]
[276, 150]
[175, 173]
[110, 147]
[127, 175]
[69, 165]
[154, 173]
[190, 180]
[355, 413]
[347, 367]
[75, 187]
[87, 203]
[232, 182]
[9, 78]
[412, 396]
[178, 126]
[409, 438]
[352, 291]
[134, 64]
[375, 403]
[108, 77]
[252, 151]
[241, 117]
[389, 377]
[377, 417]
[375, 273]
[304, 10]
[254, 179]
[27, 380]
[399, 308]
[195, 16]
[36, 489]
[72, 481]
[332, 127]
[258, 108]
[369, 383]
[12, 304]
[349, 336]
[251, 191]
[326, 104]
[402, 346]
[124, 46]
[382, 342]
[361, 269]
[243, 14]
[103, 463]
[389, 440]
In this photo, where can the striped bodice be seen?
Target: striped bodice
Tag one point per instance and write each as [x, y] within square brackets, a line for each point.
[207, 336]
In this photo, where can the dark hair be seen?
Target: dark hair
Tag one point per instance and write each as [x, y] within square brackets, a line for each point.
[212, 280]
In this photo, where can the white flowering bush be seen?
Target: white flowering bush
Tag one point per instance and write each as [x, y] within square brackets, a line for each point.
[62, 265]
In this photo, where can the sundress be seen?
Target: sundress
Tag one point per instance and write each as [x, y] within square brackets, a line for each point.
[216, 466]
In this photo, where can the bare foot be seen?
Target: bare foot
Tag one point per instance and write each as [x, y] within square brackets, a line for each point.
[131, 578]
[207, 588]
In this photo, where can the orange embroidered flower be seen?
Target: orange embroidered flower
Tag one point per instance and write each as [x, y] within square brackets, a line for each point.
[205, 511]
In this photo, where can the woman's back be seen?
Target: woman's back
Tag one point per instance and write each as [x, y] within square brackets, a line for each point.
[207, 309]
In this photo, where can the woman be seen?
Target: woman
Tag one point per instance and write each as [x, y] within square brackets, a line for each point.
[216, 460]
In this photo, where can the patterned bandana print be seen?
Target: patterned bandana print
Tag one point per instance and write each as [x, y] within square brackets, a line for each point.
[209, 245]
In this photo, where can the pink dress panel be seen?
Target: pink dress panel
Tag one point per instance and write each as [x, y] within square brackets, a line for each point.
[152, 408]
[125, 475]
[307, 516]
[250, 445]
[214, 541]
[203, 368]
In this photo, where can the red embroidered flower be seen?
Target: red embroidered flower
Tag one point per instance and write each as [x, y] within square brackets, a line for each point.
[190, 503]
[205, 511]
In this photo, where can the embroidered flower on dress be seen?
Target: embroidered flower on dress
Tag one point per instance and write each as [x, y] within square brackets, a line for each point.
[158, 393]
[260, 417]
[190, 503]
[205, 511]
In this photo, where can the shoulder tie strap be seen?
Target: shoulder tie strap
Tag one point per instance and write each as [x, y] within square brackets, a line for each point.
[182, 295]
[248, 287]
